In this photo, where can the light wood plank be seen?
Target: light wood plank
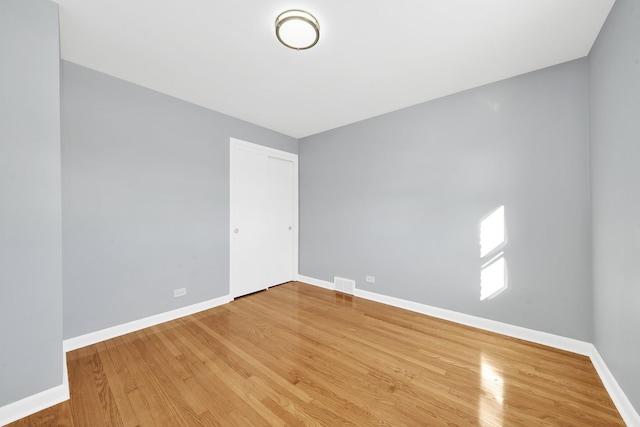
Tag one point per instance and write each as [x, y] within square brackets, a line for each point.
[298, 355]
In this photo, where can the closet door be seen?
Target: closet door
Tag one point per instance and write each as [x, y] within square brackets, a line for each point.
[263, 238]
[280, 220]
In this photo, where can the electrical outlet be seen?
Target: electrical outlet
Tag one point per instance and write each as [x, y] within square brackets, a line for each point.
[370, 279]
[179, 292]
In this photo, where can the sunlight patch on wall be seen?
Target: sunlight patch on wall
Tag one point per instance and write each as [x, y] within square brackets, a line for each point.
[493, 239]
[492, 233]
[493, 278]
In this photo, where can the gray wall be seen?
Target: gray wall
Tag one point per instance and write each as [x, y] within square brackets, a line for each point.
[145, 199]
[400, 197]
[615, 165]
[30, 248]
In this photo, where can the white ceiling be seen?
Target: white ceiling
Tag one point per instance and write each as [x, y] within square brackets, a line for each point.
[373, 56]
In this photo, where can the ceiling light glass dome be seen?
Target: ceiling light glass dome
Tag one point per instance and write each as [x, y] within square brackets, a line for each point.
[297, 29]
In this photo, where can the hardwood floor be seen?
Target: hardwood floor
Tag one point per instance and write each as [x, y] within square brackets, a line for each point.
[301, 355]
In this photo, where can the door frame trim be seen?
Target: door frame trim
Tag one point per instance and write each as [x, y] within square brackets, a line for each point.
[238, 144]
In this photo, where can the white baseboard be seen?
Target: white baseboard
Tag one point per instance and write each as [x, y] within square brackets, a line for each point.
[37, 402]
[620, 399]
[65, 375]
[544, 338]
[136, 325]
[624, 406]
[58, 394]
[316, 282]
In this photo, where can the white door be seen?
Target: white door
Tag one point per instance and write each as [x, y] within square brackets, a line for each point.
[263, 245]
[280, 219]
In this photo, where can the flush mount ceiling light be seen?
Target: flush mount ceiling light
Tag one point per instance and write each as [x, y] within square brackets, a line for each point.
[297, 29]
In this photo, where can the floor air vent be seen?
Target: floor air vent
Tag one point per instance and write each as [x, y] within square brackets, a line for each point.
[346, 286]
